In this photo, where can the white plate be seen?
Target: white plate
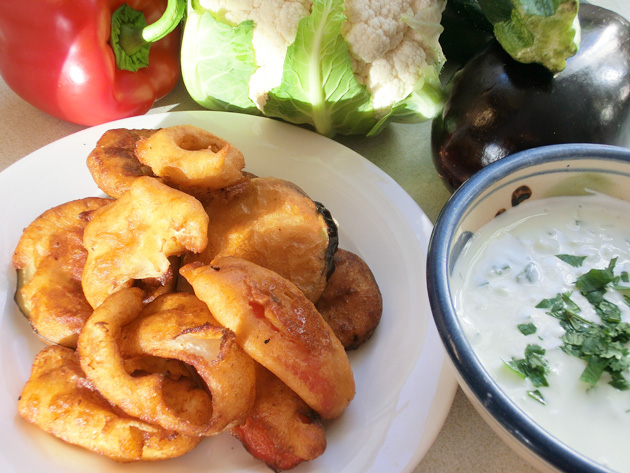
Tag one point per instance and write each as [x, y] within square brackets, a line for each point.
[404, 388]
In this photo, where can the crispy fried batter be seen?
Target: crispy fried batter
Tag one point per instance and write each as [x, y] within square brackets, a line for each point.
[281, 430]
[177, 405]
[133, 237]
[49, 259]
[180, 326]
[278, 327]
[60, 400]
[273, 223]
[113, 162]
[191, 159]
[351, 303]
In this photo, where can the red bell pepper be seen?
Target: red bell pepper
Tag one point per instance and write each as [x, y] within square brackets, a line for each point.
[58, 56]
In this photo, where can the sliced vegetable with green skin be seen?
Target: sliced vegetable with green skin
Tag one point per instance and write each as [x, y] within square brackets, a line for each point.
[322, 66]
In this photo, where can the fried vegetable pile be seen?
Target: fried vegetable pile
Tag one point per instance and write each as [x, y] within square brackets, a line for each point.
[251, 339]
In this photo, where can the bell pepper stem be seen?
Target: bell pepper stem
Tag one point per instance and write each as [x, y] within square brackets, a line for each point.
[131, 37]
[168, 22]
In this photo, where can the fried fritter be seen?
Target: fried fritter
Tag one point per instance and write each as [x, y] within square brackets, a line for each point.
[279, 328]
[274, 224]
[60, 400]
[281, 430]
[133, 237]
[178, 405]
[351, 303]
[191, 159]
[180, 326]
[113, 162]
[49, 259]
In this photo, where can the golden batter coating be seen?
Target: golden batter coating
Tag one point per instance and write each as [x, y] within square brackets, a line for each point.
[351, 303]
[281, 429]
[49, 259]
[191, 159]
[179, 326]
[60, 400]
[113, 162]
[274, 224]
[178, 405]
[279, 328]
[133, 237]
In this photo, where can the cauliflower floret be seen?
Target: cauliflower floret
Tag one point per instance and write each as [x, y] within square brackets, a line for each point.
[390, 50]
[276, 23]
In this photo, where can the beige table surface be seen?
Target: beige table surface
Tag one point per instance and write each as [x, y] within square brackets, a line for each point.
[466, 443]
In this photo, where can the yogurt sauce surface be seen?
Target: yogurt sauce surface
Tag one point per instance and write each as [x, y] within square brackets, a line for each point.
[507, 268]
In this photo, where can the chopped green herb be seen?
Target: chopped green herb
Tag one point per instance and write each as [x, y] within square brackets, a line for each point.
[537, 395]
[534, 366]
[575, 261]
[596, 280]
[527, 329]
[603, 346]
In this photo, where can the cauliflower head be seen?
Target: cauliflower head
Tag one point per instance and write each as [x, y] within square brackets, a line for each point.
[339, 66]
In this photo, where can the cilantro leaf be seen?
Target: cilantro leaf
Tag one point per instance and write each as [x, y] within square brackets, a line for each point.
[527, 329]
[534, 366]
[575, 261]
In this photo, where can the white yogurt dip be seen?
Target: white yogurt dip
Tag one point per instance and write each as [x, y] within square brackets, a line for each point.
[505, 270]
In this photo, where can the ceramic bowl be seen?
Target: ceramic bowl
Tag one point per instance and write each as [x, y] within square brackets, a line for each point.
[556, 170]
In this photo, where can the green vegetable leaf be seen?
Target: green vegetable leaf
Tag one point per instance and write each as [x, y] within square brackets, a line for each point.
[318, 83]
[533, 366]
[575, 261]
[527, 329]
[537, 395]
[218, 60]
[542, 31]
[603, 346]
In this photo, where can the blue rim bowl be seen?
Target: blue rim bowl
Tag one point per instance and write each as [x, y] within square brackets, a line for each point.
[568, 169]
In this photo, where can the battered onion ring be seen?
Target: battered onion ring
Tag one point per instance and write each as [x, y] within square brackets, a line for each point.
[191, 158]
[173, 405]
[113, 162]
[180, 326]
[281, 430]
[61, 401]
[278, 327]
[132, 237]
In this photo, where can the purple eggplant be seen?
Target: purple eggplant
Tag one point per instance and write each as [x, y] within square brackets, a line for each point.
[496, 106]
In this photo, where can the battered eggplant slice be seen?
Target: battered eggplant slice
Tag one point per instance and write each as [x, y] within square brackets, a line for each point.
[352, 303]
[60, 400]
[281, 429]
[49, 259]
[114, 164]
[274, 224]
